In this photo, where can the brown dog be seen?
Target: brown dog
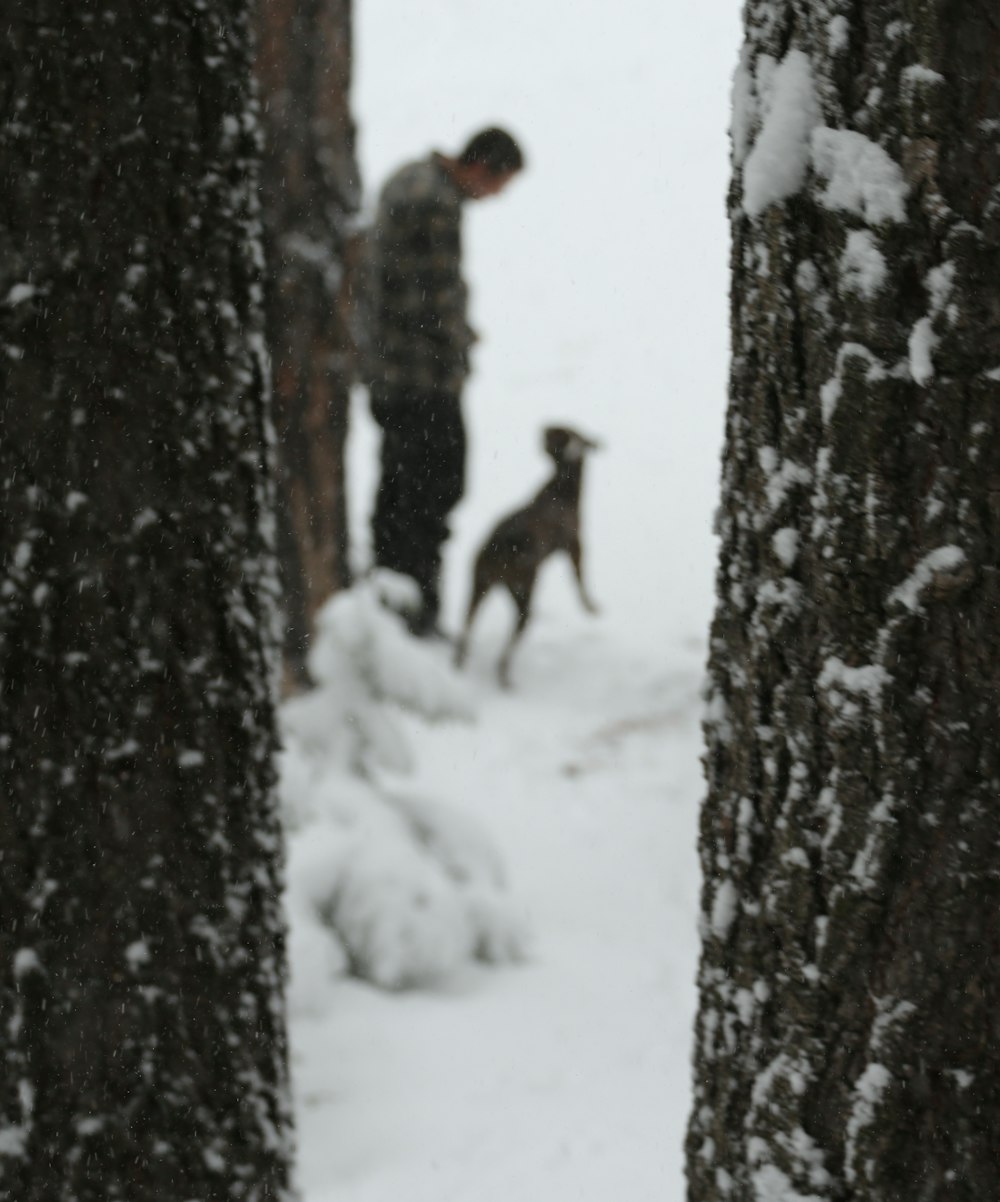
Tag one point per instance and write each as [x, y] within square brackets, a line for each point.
[516, 549]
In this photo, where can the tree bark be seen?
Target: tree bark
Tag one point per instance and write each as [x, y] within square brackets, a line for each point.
[310, 192]
[141, 941]
[848, 1035]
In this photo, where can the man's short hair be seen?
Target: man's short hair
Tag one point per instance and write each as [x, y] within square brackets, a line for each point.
[495, 150]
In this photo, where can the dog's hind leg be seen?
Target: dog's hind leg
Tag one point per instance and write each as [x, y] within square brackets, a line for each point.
[522, 599]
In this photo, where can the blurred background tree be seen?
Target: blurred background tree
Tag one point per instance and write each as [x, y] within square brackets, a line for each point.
[311, 191]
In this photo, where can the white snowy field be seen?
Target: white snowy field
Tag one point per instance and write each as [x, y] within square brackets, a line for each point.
[541, 1052]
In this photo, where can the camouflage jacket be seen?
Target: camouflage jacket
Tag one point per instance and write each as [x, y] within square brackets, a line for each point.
[421, 337]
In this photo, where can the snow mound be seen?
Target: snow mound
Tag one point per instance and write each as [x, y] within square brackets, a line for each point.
[409, 917]
[396, 889]
[404, 891]
[367, 668]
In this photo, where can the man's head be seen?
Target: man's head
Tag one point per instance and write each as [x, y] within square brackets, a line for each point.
[489, 161]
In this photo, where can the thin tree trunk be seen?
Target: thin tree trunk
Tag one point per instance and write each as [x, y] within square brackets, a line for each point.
[141, 942]
[848, 1037]
[310, 193]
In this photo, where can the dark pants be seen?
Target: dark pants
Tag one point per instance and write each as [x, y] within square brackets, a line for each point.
[423, 479]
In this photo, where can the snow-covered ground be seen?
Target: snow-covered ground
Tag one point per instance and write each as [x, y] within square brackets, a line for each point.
[564, 1074]
[541, 1052]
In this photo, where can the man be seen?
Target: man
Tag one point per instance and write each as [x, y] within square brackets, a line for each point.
[420, 356]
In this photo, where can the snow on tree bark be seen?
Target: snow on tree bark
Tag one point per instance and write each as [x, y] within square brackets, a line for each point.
[141, 939]
[311, 191]
[848, 1039]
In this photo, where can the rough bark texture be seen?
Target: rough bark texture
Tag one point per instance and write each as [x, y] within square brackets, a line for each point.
[310, 193]
[142, 1055]
[848, 1036]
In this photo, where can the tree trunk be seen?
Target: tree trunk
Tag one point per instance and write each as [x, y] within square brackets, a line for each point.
[141, 939]
[848, 1037]
[310, 192]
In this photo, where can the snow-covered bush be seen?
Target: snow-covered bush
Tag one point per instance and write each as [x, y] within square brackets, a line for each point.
[397, 889]
[367, 667]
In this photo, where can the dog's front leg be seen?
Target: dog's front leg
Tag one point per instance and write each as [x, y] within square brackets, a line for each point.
[576, 558]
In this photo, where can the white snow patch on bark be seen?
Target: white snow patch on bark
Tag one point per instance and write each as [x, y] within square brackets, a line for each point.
[806, 276]
[837, 34]
[921, 346]
[868, 1092]
[807, 1153]
[862, 265]
[744, 828]
[846, 687]
[783, 1068]
[941, 559]
[861, 177]
[213, 1161]
[890, 1014]
[939, 283]
[746, 1004]
[780, 478]
[829, 397]
[831, 392]
[829, 808]
[786, 545]
[775, 167]
[26, 960]
[795, 857]
[19, 294]
[724, 906]
[144, 518]
[786, 594]
[137, 954]
[864, 868]
[13, 1141]
[869, 678]
[129, 748]
[770, 1184]
[717, 716]
[919, 74]
[709, 1027]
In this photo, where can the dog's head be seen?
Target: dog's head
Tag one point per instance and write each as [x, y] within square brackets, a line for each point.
[564, 444]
